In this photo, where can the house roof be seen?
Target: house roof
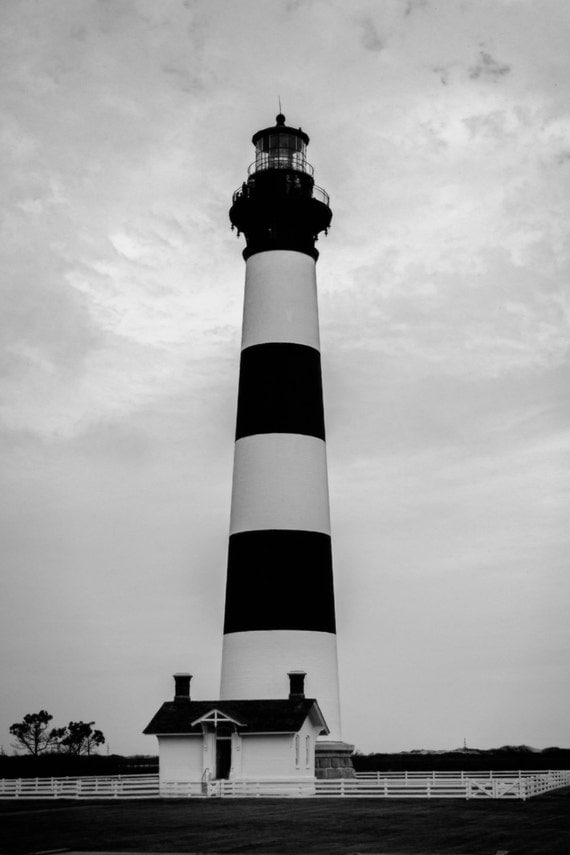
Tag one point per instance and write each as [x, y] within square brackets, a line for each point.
[257, 716]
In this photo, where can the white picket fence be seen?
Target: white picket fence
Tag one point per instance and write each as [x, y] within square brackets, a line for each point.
[487, 773]
[93, 787]
[394, 785]
[384, 785]
[239, 789]
[447, 785]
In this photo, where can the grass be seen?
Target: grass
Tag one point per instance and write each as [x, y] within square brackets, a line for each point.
[291, 826]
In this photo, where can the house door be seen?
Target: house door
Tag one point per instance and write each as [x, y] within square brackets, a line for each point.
[223, 757]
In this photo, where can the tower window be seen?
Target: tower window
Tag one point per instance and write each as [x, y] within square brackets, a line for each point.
[271, 142]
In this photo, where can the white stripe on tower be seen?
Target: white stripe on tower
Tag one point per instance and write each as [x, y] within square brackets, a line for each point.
[279, 596]
[280, 301]
[280, 481]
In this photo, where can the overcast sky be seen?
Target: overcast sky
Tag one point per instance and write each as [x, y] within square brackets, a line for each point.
[441, 131]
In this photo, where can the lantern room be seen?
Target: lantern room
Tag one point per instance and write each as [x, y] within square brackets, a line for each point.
[280, 147]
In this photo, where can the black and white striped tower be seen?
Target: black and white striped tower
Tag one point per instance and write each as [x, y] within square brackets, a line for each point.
[280, 613]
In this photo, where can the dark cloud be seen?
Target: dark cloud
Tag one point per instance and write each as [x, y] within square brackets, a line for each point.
[293, 5]
[370, 38]
[563, 157]
[443, 73]
[412, 5]
[488, 67]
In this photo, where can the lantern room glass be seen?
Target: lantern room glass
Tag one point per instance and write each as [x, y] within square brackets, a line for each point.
[280, 150]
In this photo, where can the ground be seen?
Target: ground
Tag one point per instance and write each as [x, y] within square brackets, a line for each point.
[291, 826]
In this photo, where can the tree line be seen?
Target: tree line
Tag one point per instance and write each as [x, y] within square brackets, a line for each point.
[34, 735]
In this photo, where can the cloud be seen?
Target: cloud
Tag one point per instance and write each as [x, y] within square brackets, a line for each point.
[488, 67]
[414, 5]
[444, 317]
[443, 73]
[369, 36]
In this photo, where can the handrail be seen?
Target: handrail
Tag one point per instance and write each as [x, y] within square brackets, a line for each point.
[321, 195]
[245, 192]
[280, 159]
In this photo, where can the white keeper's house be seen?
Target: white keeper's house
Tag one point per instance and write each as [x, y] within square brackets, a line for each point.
[241, 740]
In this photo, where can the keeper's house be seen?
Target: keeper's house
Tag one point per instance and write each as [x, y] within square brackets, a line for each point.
[241, 740]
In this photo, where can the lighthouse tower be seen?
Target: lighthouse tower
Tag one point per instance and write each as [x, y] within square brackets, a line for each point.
[279, 611]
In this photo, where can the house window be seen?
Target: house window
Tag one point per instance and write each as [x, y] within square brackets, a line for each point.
[297, 750]
[307, 750]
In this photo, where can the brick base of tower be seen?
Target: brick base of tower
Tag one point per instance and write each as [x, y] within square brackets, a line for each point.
[333, 760]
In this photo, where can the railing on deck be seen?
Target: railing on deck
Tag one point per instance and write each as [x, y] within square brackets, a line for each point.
[316, 192]
[522, 784]
[281, 158]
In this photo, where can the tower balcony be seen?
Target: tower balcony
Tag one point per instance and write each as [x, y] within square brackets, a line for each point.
[288, 186]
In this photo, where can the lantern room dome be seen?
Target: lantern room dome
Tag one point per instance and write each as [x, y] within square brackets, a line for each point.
[282, 129]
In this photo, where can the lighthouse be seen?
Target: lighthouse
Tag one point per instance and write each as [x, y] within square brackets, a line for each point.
[280, 608]
[278, 719]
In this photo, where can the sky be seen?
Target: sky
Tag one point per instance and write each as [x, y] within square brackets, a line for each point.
[441, 131]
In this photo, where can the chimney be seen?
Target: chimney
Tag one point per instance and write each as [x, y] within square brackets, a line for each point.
[296, 685]
[182, 687]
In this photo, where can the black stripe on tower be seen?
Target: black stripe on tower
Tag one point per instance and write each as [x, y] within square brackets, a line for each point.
[280, 390]
[279, 579]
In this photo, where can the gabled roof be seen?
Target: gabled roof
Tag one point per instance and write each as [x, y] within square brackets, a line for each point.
[258, 716]
[216, 717]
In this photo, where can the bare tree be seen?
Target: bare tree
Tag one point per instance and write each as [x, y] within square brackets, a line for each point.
[33, 734]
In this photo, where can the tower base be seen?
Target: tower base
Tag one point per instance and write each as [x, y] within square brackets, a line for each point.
[334, 760]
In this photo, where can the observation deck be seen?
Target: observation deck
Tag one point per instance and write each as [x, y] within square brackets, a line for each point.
[288, 187]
